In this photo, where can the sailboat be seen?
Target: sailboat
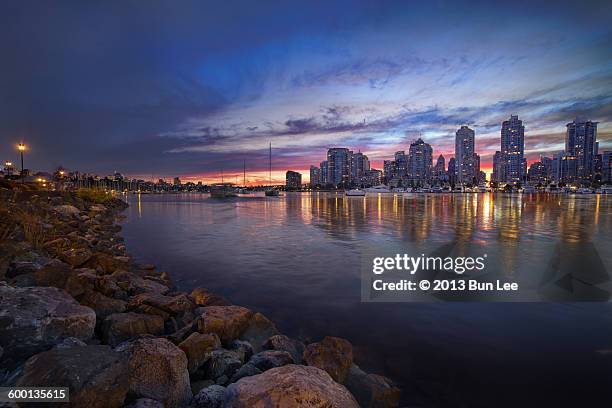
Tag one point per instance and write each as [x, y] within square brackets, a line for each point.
[271, 192]
[222, 189]
[244, 189]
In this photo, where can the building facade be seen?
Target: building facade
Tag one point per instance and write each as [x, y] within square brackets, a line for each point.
[513, 162]
[419, 162]
[581, 143]
[293, 180]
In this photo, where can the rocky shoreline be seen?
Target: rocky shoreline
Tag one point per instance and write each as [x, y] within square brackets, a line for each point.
[76, 311]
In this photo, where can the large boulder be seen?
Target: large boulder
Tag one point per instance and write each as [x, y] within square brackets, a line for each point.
[33, 319]
[259, 330]
[268, 359]
[202, 297]
[173, 305]
[97, 376]
[284, 343]
[332, 354]
[102, 305]
[372, 390]
[290, 386]
[209, 397]
[76, 257]
[55, 273]
[221, 366]
[227, 322]
[197, 348]
[119, 327]
[134, 284]
[67, 210]
[158, 370]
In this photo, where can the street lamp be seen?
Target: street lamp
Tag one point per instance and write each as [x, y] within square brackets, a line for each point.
[21, 147]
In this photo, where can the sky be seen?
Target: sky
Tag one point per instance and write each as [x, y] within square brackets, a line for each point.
[195, 89]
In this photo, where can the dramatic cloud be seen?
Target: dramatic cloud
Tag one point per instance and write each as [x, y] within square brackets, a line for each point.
[196, 88]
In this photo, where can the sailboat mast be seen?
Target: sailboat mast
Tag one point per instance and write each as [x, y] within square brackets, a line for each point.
[244, 172]
[270, 164]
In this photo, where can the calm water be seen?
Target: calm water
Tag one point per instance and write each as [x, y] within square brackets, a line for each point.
[297, 259]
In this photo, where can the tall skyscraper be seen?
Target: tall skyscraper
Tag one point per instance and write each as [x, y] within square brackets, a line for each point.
[323, 177]
[338, 166]
[360, 164]
[497, 167]
[581, 143]
[452, 171]
[419, 162]
[467, 162]
[512, 150]
[315, 176]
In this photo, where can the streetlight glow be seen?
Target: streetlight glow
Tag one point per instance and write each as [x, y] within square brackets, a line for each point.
[21, 147]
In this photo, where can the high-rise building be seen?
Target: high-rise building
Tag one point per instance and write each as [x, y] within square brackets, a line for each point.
[176, 181]
[419, 162]
[537, 173]
[580, 142]
[512, 150]
[439, 171]
[293, 180]
[323, 177]
[452, 176]
[467, 162]
[388, 169]
[606, 167]
[315, 176]
[338, 166]
[359, 165]
[373, 177]
[497, 167]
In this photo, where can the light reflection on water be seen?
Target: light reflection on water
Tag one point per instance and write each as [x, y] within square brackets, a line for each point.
[296, 258]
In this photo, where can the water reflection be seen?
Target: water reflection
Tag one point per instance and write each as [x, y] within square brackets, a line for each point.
[296, 258]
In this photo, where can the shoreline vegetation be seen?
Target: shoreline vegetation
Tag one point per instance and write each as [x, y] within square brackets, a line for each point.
[76, 311]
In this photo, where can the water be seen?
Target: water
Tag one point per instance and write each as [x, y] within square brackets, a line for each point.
[296, 259]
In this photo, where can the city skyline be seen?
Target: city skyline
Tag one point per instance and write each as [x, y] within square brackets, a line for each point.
[165, 91]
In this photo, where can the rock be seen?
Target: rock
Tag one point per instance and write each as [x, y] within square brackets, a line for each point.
[284, 343]
[242, 347]
[227, 322]
[246, 370]
[259, 330]
[209, 397]
[145, 403]
[268, 359]
[76, 257]
[158, 370]
[197, 348]
[196, 386]
[67, 210]
[119, 327]
[35, 318]
[290, 386]
[332, 354]
[134, 284]
[147, 267]
[202, 297]
[172, 305]
[70, 342]
[371, 390]
[55, 273]
[97, 208]
[96, 375]
[221, 363]
[80, 281]
[102, 305]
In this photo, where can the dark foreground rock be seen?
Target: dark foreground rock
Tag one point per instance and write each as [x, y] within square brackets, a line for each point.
[96, 375]
[209, 397]
[290, 386]
[35, 318]
[332, 354]
[157, 370]
[120, 327]
[372, 390]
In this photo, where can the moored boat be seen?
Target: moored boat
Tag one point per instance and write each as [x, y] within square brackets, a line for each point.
[355, 193]
[222, 190]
